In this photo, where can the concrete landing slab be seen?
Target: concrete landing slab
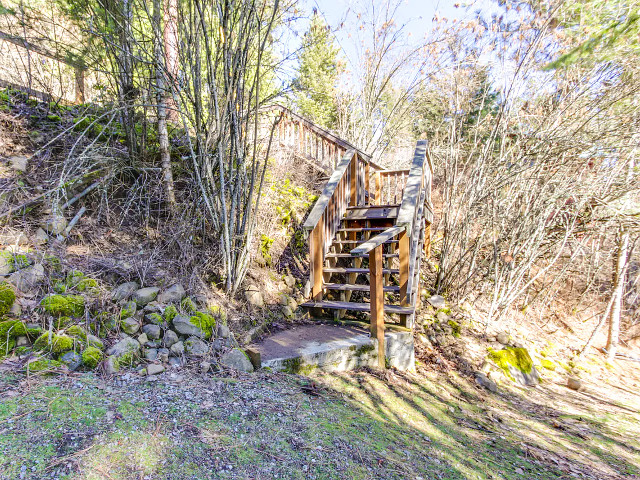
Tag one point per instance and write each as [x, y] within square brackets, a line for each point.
[331, 348]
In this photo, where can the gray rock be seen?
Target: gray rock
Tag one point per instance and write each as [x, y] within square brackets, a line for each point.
[151, 354]
[72, 360]
[129, 326]
[154, 307]
[41, 237]
[143, 339]
[163, 355]
[293, 304]
[287, 312]
[145, 295]
[183, 326]
[94, 341]
[152, 331]
[424, 340]
[436, 300]
[111, 365]
[218, 344]
[177, 348]
[173, 294]
[236, 359]
[19, 163]
[6, 266]
[124, 291]
[254, 296]
[195, 346]
[486, 382]
[223, 331]
[170, 337]
[574, 383]
[175, 362]
[290, 281]
[205, 367]
[124, 346]
[442, 317]
[55, 224]
[27, 279]
[154, 369]
[13, 237]
[22, 341]
[502, 338]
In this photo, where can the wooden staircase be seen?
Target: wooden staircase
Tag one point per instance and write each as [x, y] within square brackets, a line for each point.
[367, 232]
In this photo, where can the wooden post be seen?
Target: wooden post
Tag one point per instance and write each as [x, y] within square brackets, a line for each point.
[403, 250]
[427, 239]
[316, 247]
[79, 85]
[367, 183]
[378, 189]
[353, 201]
[377, 301]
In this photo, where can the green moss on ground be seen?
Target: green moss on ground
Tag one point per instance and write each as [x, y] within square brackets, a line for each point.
[7, 297]
[12, 328]
[548, 364]
[64, 305]
[76, 331]
[91, 357]
[188, 306]
[170, 313]
[42, 364]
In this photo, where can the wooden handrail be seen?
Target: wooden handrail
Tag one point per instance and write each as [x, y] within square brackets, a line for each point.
[411, 194]
[327, 193]
[376, 241]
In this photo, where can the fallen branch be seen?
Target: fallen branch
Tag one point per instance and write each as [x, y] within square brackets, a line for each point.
[73, 221]
[83, 193]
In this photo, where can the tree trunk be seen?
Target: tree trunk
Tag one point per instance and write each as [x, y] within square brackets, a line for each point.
[618, 291]
[161, 95]
[171, 56]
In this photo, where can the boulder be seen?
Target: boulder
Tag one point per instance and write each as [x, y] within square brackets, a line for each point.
[41, 237]
[143, 339]
[195, 346]
[19, 163]
[153, 331]
[236, 359]
[254, 296]
[517, 365]
[175, 362]
[145, 295]
[153, 307]
[55, 224]
[205, 367]
[12, 237]
[437, 301]
[486, 382]
[154, 369]
[22, 341]
[163, 355]
[223, 331]
[27, 279]
[123, 347]
[94, 341]
[124, 291]
[442, 317]
[170, 337]
[177, 349]
[72, 360]
[287, 312]
[151, 354]
[129, 326]
[173, 294]
[574, 383]
[502, 338]
[183, 326]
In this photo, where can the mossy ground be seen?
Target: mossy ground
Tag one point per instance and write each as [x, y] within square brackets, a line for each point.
[265, 425]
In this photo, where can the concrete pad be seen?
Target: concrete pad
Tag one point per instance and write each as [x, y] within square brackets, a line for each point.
[331, 348]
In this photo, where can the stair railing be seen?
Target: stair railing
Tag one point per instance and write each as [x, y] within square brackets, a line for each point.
[348, 186]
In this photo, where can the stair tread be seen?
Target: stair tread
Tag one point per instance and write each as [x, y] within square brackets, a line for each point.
[348, 255]
[363, 229]
[357, 288]
[360, 307]
[361, 241]
[358, 270]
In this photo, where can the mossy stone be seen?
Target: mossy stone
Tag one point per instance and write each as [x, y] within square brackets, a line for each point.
[170, 313]
[55, 343]
[7, 344]
[188, 306]
[128, 310]
[12, 329]
[64, 305]
[7, 297]
[205, 322]
[91, 357]
[77, 331]
[42, 364]
[516, 364]
[548, 364]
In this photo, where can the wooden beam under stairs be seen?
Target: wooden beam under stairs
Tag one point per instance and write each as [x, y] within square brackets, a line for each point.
[358, 287]
[358, 307]
[348, 255]
[365, 271]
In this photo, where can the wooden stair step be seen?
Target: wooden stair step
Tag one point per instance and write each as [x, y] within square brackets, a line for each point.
[358, 270]
[348, 255]
[372, 213]
[363, 229]
[358, 307]
[341, 242]
[358, 288]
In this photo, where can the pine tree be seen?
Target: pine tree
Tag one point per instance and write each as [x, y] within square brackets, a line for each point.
[318, 73]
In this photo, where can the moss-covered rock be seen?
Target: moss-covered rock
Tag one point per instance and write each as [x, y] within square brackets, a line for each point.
[7, 344]
[7, 297]
[91, 357]
[188, 306]
[205, 322]
[517, 365]
[12, 329]
[62, 322]
[76, 331]
[53, 342]
[64, 305]
[548, 364]
[170, 313]
[128, 310]
[42, 364]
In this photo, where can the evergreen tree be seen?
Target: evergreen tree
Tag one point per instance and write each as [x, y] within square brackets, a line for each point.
[318, 73]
